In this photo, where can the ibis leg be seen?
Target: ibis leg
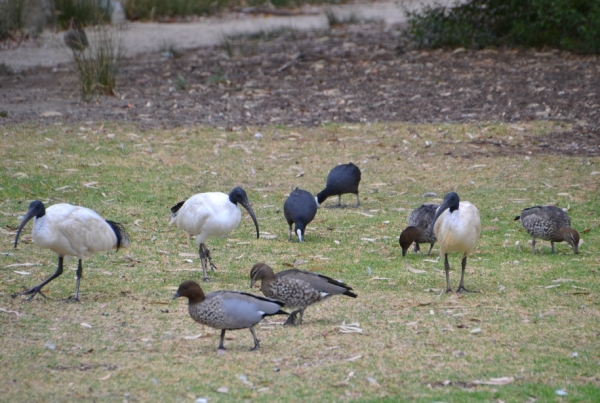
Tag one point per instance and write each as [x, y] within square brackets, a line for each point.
[38, 288]
[357, 201]
[203, 263]
[552, 243]
[417, 247]
[461, 286]
[256, 341]
[447, 269]
[290, 237]
[339, 201]
[78, 274]
[212, 265]
[221, 347]
[532, 245]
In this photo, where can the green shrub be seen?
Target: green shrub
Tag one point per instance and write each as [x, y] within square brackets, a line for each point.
[11, 17]
[566, 24]
[87, 12]
[156, 9]
[151, 9]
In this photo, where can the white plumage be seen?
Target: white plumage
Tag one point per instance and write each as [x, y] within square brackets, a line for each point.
[70, 231]
[211, 214]
[457, 227]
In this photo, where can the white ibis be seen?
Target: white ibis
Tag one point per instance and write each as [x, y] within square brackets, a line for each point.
[419, 228]
[75, 37]
[211, 214]
[457, 227]
[300, 209]
[549, 223]
[227, 310]
[70, 231]
[341, 180]
[298, 289]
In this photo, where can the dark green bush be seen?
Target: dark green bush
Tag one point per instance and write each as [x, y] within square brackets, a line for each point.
[566, 24]
[87, 12]
[11, 13]
[156, 9]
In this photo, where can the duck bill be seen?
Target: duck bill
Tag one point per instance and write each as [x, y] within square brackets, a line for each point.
[248, 208]
[177, 295]
[30, 214]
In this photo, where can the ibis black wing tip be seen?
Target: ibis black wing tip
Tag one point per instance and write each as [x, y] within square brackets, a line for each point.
[176, 207]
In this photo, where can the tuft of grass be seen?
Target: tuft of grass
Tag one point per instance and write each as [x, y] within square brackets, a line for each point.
[97, 66]
[128, 340]
[218, 76]
[181, 83]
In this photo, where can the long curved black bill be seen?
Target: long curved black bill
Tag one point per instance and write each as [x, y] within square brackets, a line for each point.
[248, 208]
[30, 214]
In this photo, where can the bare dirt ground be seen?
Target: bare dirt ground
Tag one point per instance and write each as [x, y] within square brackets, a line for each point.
[346, 74]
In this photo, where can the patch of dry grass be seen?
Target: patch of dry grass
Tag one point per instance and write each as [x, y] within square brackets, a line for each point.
[126, 340]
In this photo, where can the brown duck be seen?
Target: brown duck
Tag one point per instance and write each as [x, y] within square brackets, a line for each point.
[419, 228]
[297, 289]
[227, 310]
[549, 223]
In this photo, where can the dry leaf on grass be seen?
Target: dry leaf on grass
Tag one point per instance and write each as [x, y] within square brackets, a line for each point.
[9, 311]
[20, 265]
[350, 328]
[223, 389]
[413, 270]
[505, 380]
[245, 381]
[194, 337]
[104, 378]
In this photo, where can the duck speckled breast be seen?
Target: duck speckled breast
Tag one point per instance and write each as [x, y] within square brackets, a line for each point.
[209, 312]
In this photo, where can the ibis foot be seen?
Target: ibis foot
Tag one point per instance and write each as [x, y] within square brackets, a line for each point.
[33, 291]
[462, 289]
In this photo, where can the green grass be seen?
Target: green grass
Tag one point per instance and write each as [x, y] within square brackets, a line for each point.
[417, 345]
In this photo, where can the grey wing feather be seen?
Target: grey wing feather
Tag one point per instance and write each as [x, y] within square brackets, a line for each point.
[318, 281]
[421, 218]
